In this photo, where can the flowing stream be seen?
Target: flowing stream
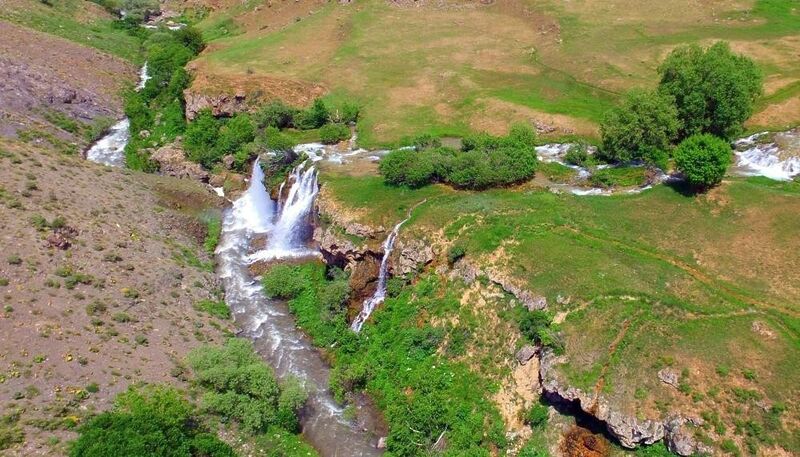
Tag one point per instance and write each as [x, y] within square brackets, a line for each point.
[110, 149]
[268, 322]
[776, 158]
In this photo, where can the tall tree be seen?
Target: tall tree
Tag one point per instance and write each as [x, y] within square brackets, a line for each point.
[714, 89]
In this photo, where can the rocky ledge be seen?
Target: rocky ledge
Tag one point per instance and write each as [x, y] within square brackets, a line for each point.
[676, 431]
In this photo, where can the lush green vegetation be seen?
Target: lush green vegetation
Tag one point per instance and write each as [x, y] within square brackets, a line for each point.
[156, 112]
[241, 388]
[703, 159]
[641, 129]
[484, 161]
[334, 133]
[145, 422]
[394, 359]
[714, 89]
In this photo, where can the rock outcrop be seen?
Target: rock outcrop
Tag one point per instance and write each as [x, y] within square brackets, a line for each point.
[172, 162]
[411, 256]
[630, 431]
[219, 104]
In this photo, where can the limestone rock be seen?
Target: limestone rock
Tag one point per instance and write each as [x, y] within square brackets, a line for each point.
[669, 376]
[173, 162]
[525, 354]
[219, 104]
[680, 439]
[411, 255]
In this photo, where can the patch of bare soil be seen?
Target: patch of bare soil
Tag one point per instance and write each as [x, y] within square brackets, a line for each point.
[99, 275]
[40, 73]
[580, 442]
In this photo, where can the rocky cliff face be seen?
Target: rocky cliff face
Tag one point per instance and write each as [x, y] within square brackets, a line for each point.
[219, 104]
[631, 431]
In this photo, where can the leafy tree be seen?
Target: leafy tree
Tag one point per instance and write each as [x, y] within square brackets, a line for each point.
[714, 89]
[145, 422]
[641, 128]
[275, 114]
[314, 117]
[703, 159]
[201, 135]
[235, 133]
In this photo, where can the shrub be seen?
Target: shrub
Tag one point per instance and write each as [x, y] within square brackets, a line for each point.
[578, 155]
[484, 162]
[314, 117]
[14, 260]
[96, 307]
[643, 126]
[275, 114]
[235, 133]
[703, 160]
[242, 388]
[200, 137]
[334, 133]
[216, 308]
[537, 416]
[282, 281]
[713, 89]
[426, 141]
[145, 422]
[274, 140]
[534, 324]
[455, 253]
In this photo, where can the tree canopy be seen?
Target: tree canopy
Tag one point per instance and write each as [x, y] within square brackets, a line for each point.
[714, 89]
[703, 159]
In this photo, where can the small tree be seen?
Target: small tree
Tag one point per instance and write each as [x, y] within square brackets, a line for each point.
[642, 128]
[714, 89]
[703, 160]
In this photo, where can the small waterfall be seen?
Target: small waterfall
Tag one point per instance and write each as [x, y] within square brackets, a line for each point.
[110, 149]
[273, 329]
[290, 231]
[380, 293]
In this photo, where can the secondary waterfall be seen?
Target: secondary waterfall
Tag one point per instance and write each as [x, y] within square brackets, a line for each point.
[777, 158]
[110, 149]
[269, 323]
[380, 293]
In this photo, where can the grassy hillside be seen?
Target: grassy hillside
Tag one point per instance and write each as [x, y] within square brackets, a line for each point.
[704, 286]
[450, 67]
[80, 21]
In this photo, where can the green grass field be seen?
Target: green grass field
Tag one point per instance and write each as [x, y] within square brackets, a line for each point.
[460, 68]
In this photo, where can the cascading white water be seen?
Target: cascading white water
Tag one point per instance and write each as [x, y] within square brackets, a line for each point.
[765, 159]
[110, 149]
[272, 328]
[380, 293]
[291, 227]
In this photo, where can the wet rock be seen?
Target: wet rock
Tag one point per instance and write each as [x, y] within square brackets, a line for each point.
[669, 376]
[525, 354]
[173, 162]
[412, 254]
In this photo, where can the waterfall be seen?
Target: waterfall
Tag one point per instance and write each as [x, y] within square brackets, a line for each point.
[289, 234]
[380, 293]
[110, 149]
[768, 159]
[271, 326]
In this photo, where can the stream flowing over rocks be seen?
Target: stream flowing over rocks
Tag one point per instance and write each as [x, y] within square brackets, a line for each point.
[269, 323]
[110, 149]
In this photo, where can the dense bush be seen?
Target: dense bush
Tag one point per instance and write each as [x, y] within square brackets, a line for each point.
[334, 133]
[578, 154]
[242, 388]
[146, 422]
[209, 139]
[156, 112]
[642, 128]
[483, 162]
[537, 416]
[314, 117]
[703, 159]
[275, 114]
[283, 281]
[713, 89]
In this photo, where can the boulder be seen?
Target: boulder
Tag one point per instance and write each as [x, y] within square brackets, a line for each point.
[219, 104]
[172, 162]
[525, 354]
[669, 376]
[680, 439]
